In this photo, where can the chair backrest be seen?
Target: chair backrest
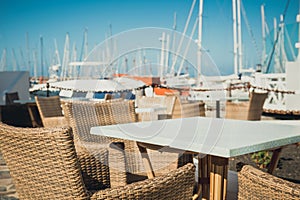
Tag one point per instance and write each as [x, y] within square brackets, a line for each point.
[116, 112]
[85, 114]
[165, 101]
[256, 184]
[188, 109]
[82, 115]
[42, 162]
[250, 110]
[257, 101]
[51, 111]
[49, 106]
[10, 97]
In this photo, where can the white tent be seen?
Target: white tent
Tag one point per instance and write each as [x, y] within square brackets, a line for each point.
[103, 85]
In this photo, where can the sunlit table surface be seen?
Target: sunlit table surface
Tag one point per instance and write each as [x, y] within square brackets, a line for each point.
[215, 140]
[218, 137]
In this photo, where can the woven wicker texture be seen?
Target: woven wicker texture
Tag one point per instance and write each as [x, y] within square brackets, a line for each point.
[50, 111]
[85, 114]
[177, 184]
[157, 101]
[184, 110]
[256, 185]
[44, 165]
[42, 162]
[118, 112]
[166, 161]
[250, 110]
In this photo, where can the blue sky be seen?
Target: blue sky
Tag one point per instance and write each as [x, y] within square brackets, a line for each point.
[52, 19]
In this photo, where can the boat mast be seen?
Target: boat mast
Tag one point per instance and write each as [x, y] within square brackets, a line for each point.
[174, 38]
[3, 61]
[42, 56]
[239, 45]
[263, 24]
[199, 53]
[66, 58]
[14, 59]
[182, 37]
[27, 51]
[298, 43]
[162, 54]
[35, 65]
[167, 53]
[84, 48]
[235, 46]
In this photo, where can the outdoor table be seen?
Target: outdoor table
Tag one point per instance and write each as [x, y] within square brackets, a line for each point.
[215, 140]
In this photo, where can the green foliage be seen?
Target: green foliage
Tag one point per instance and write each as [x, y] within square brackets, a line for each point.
[262, 158]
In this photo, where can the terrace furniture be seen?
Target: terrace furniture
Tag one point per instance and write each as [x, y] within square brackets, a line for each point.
[174, 107]
[152, 107]
[246, 110]
[50, 111]
[256, 184]
[82, 115]
[44, 165]
[214, 140]
[188, 109]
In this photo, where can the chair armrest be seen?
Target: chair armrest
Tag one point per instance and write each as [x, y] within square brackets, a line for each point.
[254, 183]
[177, 184]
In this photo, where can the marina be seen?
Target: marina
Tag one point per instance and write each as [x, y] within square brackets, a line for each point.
[170, 85]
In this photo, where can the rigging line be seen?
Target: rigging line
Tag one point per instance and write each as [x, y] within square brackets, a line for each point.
[188, 46]
[277, 37]
[250, 30]
[183, 34]
[289, 43]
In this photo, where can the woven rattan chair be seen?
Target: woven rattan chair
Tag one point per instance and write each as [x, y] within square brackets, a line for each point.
[155, 101]
[82, 115]
[188, 109]
[85, 114]
[50, 111]
[44, 165]
[256, 184]
[250, 110]
[175, 108]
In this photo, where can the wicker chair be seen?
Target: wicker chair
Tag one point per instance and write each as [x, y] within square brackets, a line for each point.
[49, 169]
[250, 110]
[188, 109]
[50, 111]
[175, 108]
[256, 184]
[85, 114]
[156, 101]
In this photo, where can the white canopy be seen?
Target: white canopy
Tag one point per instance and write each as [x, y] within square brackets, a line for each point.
[90, 85]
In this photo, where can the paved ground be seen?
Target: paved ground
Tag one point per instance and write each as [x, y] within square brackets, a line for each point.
[7, 188]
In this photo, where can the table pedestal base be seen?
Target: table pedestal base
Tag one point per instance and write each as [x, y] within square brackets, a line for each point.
[212, 177]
